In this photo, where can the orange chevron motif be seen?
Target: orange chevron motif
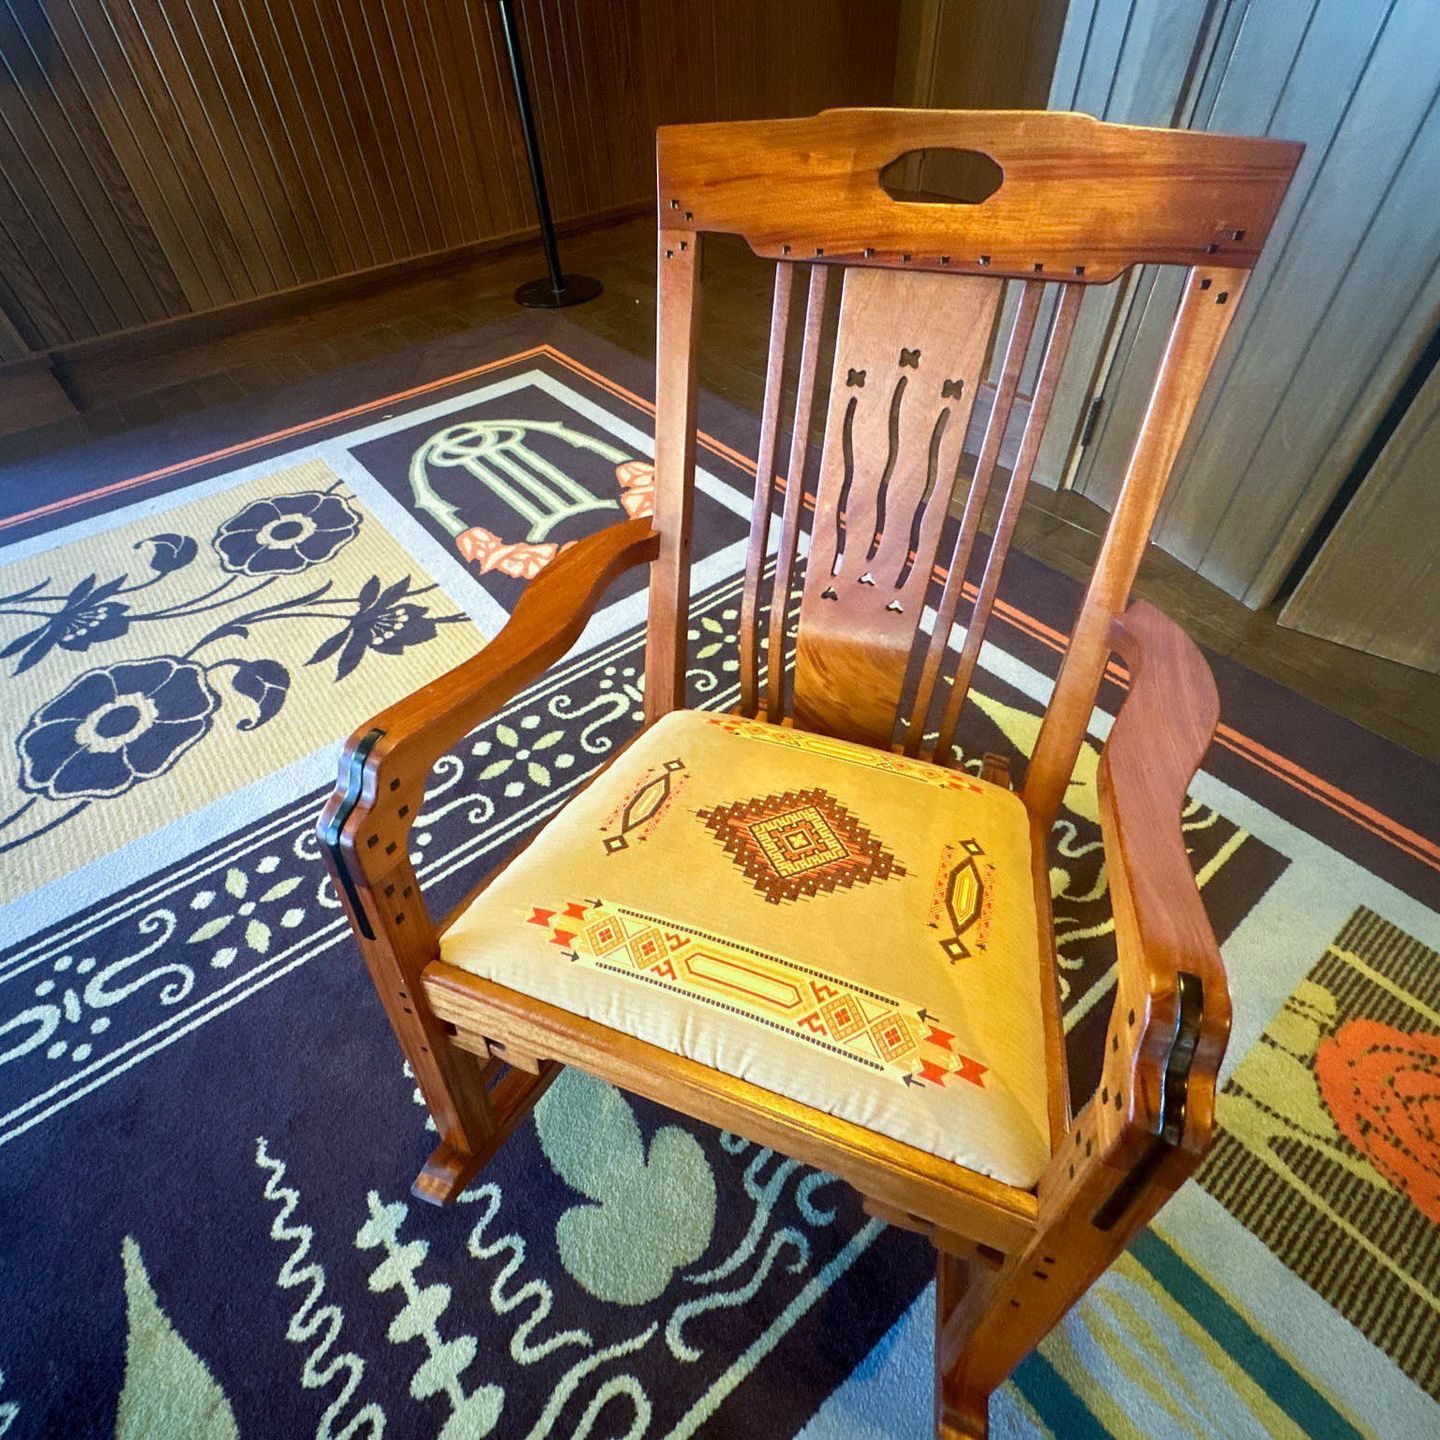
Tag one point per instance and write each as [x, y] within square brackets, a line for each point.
[878, 1031]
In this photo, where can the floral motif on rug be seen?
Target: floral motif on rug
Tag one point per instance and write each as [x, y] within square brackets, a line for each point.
[1330, 1149]
[151, 655]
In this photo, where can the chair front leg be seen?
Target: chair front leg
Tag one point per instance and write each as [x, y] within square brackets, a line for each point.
[1105, 1184]
[986, 1321]
[364, 833]
[959, 1415]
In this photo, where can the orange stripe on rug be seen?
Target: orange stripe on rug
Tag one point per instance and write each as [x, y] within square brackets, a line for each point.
[1408, 841]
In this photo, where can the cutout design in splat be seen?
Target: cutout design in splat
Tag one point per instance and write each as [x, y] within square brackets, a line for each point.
[891, 458]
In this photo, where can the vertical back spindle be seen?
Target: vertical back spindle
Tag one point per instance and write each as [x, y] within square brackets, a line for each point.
[795, 488]
[676, 388]
[1005, 391]
[1056, 345]
[764, 488]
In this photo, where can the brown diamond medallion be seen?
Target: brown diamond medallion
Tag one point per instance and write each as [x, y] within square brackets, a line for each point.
[800, 843]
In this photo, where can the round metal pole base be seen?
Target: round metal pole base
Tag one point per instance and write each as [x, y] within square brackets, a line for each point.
[542, 295]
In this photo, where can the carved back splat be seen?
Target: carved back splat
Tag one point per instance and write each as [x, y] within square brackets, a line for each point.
[921, 285]
[909, 355]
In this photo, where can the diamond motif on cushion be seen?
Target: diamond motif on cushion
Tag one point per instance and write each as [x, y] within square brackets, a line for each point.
[647, 947]
[843, 1017]
[799, 843]
[605, 935]
[893, 1037]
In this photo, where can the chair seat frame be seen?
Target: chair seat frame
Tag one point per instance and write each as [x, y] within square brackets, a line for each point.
[1010, 1261]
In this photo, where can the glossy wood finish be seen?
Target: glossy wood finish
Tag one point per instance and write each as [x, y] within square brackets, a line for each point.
[1155, 747]
[1011, 1261]
[413, 321]
[975, 497]
[789, 545]
[365, 826]
[158, 160]
[1208, 303]
[910, 1179]
[677, 265]
[991, 1317]
[758, 543]
[1080, 199]
[1057, 348]
[908, 359]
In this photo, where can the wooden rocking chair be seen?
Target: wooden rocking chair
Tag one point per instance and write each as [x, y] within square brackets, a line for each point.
[802, 920]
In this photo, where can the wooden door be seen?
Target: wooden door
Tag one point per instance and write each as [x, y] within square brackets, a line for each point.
[1130, 61]
[1348, 288]
[1375, 583]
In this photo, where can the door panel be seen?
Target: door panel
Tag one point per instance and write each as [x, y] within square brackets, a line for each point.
[1126, 60]
[1344, 295]
[1390, 531]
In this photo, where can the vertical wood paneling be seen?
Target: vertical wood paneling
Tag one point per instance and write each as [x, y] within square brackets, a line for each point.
[1346, 293]
[161, 157]
[1387, 530]
[1123, 60]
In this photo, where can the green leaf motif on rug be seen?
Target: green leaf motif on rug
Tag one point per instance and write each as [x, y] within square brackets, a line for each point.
[169, 1390]
[651, 1215]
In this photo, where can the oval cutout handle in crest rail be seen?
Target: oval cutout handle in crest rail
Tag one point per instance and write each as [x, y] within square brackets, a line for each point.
[942, 176]
[1082, 199]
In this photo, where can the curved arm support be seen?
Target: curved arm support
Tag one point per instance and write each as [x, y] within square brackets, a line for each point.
[1150, 1120]
[1170, 976]
[547, 621]
[365, 825]
[385, 762]
[1144, 1130]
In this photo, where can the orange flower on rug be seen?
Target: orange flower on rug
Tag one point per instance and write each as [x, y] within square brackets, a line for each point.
[1383, 1087]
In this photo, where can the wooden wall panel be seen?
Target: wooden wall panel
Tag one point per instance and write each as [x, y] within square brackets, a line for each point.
[1375, 585]
[978, 54]
[1128, 61]
[1341, 302]
[164, 157]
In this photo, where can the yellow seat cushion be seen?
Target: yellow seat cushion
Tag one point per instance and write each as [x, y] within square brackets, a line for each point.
[851, 929]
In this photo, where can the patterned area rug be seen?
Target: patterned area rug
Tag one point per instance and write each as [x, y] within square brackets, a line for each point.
[206, 1134]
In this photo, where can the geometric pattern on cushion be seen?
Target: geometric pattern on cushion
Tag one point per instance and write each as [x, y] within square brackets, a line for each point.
[798, 843]
[851, 929]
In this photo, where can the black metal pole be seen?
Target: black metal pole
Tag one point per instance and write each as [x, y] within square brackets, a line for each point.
[557, 289]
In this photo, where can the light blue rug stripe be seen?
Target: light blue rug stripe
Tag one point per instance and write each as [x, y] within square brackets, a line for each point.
[1249, 1349]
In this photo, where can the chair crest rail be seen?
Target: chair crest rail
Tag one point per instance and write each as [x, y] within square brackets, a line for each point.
[1082, 199]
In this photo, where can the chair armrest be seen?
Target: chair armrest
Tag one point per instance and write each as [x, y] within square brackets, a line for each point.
[547, 620]
[1164, 941]
[1170, 1022]
[385, 762]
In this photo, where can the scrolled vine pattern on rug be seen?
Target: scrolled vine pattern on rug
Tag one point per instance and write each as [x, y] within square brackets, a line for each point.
[311, 1320]
[233, 920]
